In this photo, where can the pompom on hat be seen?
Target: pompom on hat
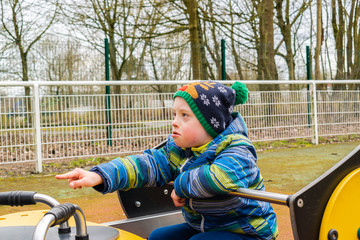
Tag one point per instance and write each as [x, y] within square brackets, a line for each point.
[213, 103]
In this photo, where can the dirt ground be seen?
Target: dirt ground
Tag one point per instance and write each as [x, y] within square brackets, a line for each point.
[285, 171]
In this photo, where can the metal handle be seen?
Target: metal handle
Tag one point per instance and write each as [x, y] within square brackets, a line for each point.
[59, 214]
[276, 198]
[20, 198]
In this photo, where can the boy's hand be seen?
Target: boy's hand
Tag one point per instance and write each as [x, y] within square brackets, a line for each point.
[79, 178]
[178, 201]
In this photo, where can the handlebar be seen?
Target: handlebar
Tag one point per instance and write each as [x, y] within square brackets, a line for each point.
[271, 197]
[58, 215]
[21, 198]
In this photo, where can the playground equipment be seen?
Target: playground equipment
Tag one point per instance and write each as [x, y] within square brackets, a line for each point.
[326, 209]
[39, 224]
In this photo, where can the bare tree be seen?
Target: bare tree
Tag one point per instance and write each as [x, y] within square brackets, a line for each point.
[232, 21]
[198, 60]
[266, 53]
[129, 26]
[345, 24]
[237, 59]
[356, 39]
[319, 39]
[25, 22]
[93, 19]
[286, 20]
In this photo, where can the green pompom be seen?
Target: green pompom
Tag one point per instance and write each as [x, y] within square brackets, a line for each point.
[241, 92]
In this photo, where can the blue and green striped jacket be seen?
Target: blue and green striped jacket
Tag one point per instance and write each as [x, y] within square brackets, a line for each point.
[222, 166]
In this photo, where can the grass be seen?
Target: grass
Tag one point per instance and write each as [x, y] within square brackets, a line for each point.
[292, 169]
[303, 142]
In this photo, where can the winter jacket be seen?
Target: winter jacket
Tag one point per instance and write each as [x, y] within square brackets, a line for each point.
[203, 176]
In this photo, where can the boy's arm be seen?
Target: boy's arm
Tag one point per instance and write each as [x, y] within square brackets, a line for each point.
[148, 169]
[233, 168]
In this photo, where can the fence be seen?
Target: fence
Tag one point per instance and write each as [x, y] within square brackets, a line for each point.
[62, 120]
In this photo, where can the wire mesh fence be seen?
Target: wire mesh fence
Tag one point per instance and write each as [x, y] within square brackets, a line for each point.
[61, 120]
[278, 115]
[79, 126]
[338, 112]
[16, 133]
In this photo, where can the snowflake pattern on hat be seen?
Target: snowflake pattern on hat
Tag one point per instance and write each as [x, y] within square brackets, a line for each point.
[222, 89]
[231, 109]
[205, 99]
[214, 122]
[216, 101]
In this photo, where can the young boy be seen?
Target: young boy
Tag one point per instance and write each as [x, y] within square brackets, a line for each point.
[207, 155]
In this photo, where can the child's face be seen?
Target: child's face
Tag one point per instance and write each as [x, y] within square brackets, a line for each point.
[187, 131]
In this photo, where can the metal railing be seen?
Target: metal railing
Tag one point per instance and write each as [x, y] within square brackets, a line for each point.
[60, 120]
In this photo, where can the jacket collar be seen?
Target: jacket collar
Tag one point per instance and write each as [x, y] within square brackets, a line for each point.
[237, 126]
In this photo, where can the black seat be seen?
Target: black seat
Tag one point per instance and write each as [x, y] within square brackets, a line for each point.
[146, 201]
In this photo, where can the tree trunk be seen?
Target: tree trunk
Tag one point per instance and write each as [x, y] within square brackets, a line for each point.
[197, 62]
[25, 78]
[355, 73]
[349, 44]
[318, 41]
[356, 68]
[233, 48]
[266, 56]
[266, 53]
[339, 29]
[285, 25]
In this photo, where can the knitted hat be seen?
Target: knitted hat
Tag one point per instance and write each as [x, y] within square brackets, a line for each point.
[213, 103]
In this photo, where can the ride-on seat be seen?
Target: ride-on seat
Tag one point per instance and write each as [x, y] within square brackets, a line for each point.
[147, 209]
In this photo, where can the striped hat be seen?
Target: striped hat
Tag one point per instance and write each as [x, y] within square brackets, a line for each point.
[213, 103]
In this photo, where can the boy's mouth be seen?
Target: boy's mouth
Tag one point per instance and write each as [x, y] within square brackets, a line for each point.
[175, 133]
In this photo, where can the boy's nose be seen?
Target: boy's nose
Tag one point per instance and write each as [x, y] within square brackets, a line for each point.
[174, 123]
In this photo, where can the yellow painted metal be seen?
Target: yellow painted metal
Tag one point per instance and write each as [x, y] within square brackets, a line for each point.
[342, 211]
[31, 218]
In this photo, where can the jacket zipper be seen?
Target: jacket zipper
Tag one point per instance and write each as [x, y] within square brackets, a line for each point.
[190, 200]
[202, 223]
[202, 217]
[186, 161]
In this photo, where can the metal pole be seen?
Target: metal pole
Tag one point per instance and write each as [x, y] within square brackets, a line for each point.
[315, 131]
[308, 77]
[41, 198]
[107, 90]
[308, 63]
[37, 128]
[276, 198]
[223, 66]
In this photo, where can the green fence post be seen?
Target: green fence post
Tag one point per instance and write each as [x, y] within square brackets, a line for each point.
[107, 90]
[308, 63]
[223, 66]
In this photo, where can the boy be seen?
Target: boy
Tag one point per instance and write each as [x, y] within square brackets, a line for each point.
[207, 155]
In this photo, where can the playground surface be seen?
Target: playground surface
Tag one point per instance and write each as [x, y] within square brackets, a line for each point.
[285, 171]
